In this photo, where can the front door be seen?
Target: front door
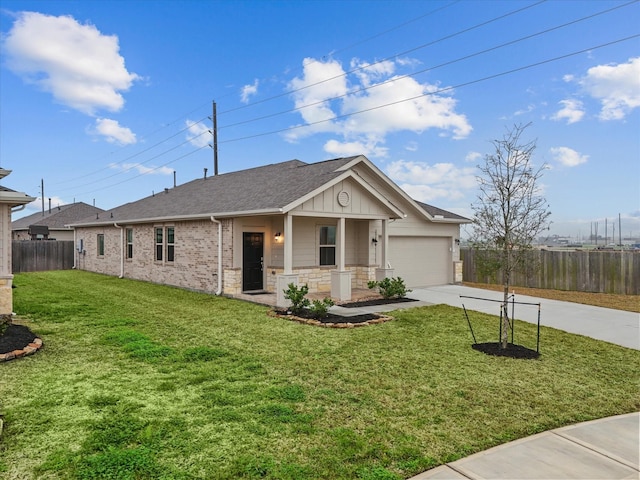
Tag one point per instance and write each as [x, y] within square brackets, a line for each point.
[252, 261]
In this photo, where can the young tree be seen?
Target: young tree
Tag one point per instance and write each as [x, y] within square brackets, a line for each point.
[510, 212]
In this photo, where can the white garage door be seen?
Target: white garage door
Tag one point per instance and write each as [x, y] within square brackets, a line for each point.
[421, 261]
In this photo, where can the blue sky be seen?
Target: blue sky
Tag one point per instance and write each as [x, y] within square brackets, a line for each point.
[105, 100]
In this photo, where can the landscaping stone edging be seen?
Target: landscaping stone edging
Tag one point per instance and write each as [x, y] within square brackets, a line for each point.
[318, 323]
[30, 349]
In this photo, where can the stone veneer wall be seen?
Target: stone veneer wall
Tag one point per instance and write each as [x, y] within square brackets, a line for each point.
[6, 277]
[319, 278]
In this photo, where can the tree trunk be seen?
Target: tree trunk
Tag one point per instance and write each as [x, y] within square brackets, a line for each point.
[504, 341]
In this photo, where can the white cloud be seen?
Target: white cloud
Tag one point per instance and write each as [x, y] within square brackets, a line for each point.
[249, 90]
[426, 182]
[36, 205]
[472, 157]
[113, 132]
[312, 93]
[567, 156]
[389, 104]
[142, 169]
[198, 134]
[617, 87]
[412, 146]
[572, 110]
[530, 108]
[78, 65]
[346, 149]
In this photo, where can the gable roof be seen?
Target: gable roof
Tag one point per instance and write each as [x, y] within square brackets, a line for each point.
[267, 189]
[264, 189]
[436, 212]
[58, 217]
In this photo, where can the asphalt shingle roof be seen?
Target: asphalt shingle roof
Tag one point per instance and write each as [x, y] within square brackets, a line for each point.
[261, 188]
[58, 217]
[270, 187]
[433, 211]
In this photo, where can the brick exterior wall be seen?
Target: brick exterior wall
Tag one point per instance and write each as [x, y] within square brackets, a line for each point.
[195, 264]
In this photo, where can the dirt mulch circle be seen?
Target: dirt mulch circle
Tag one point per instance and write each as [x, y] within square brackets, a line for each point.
[512, 350]
[18, 341]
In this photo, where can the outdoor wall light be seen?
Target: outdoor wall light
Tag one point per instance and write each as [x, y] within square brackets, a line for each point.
[374, 240]
[277, 236]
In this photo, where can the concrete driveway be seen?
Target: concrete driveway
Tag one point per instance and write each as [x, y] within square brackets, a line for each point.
[614, 326]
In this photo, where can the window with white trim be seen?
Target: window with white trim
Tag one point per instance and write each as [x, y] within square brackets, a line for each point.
[165, 244]
[129, 233]
[101, 244]
[327, 244]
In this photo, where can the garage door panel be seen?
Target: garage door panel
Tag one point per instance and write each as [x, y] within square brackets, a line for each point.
[421, 261]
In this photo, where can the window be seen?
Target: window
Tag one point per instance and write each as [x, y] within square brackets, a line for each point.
[170, 243]
[101, 244]
[165, 244]
[129, 242]
[159, 244]
[328, 245]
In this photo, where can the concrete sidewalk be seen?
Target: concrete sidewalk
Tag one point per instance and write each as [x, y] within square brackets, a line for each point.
[600, 449]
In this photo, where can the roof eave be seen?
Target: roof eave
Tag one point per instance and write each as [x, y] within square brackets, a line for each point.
[175, 218]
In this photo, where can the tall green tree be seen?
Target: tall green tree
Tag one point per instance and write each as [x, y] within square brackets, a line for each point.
[510, 211]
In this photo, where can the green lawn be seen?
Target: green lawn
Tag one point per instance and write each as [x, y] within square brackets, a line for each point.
[140, 381]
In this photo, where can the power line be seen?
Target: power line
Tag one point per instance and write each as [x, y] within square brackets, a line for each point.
[146, 173]
[419, 47]
[428, 69]
[132, 167]
[230, 93]
[465, 84]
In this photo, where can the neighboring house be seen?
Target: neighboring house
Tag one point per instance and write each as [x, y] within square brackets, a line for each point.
[52, 224]
[332, 225]
[10, 201]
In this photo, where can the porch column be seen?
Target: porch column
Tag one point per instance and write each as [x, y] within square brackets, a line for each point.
[341, 278]
[288, 244]
[385, 270]
[283, 280]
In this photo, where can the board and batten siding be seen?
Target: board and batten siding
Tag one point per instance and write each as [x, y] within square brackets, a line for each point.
[361, 202]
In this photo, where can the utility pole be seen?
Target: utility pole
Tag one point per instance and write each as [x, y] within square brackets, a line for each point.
[42, 194]
[215, 140]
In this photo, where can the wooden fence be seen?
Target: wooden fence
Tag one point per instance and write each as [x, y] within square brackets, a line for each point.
[581, 271]
[41, 255]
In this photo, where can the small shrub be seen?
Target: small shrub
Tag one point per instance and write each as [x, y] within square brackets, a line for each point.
[296, 295]
[320, 308]
[5, 321]
[390, 287]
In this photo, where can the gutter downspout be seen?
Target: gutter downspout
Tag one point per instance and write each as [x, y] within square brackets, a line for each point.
[121, 249]
[219, 223]
[75, 251]
[18, 208]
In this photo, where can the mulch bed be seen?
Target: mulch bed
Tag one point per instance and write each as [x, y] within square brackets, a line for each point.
[376, 301]
[512, 350]
[333, 320]
[15, 337]
[18, 341]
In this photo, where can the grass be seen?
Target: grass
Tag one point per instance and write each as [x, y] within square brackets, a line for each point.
[629, 303]
[140, 381]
